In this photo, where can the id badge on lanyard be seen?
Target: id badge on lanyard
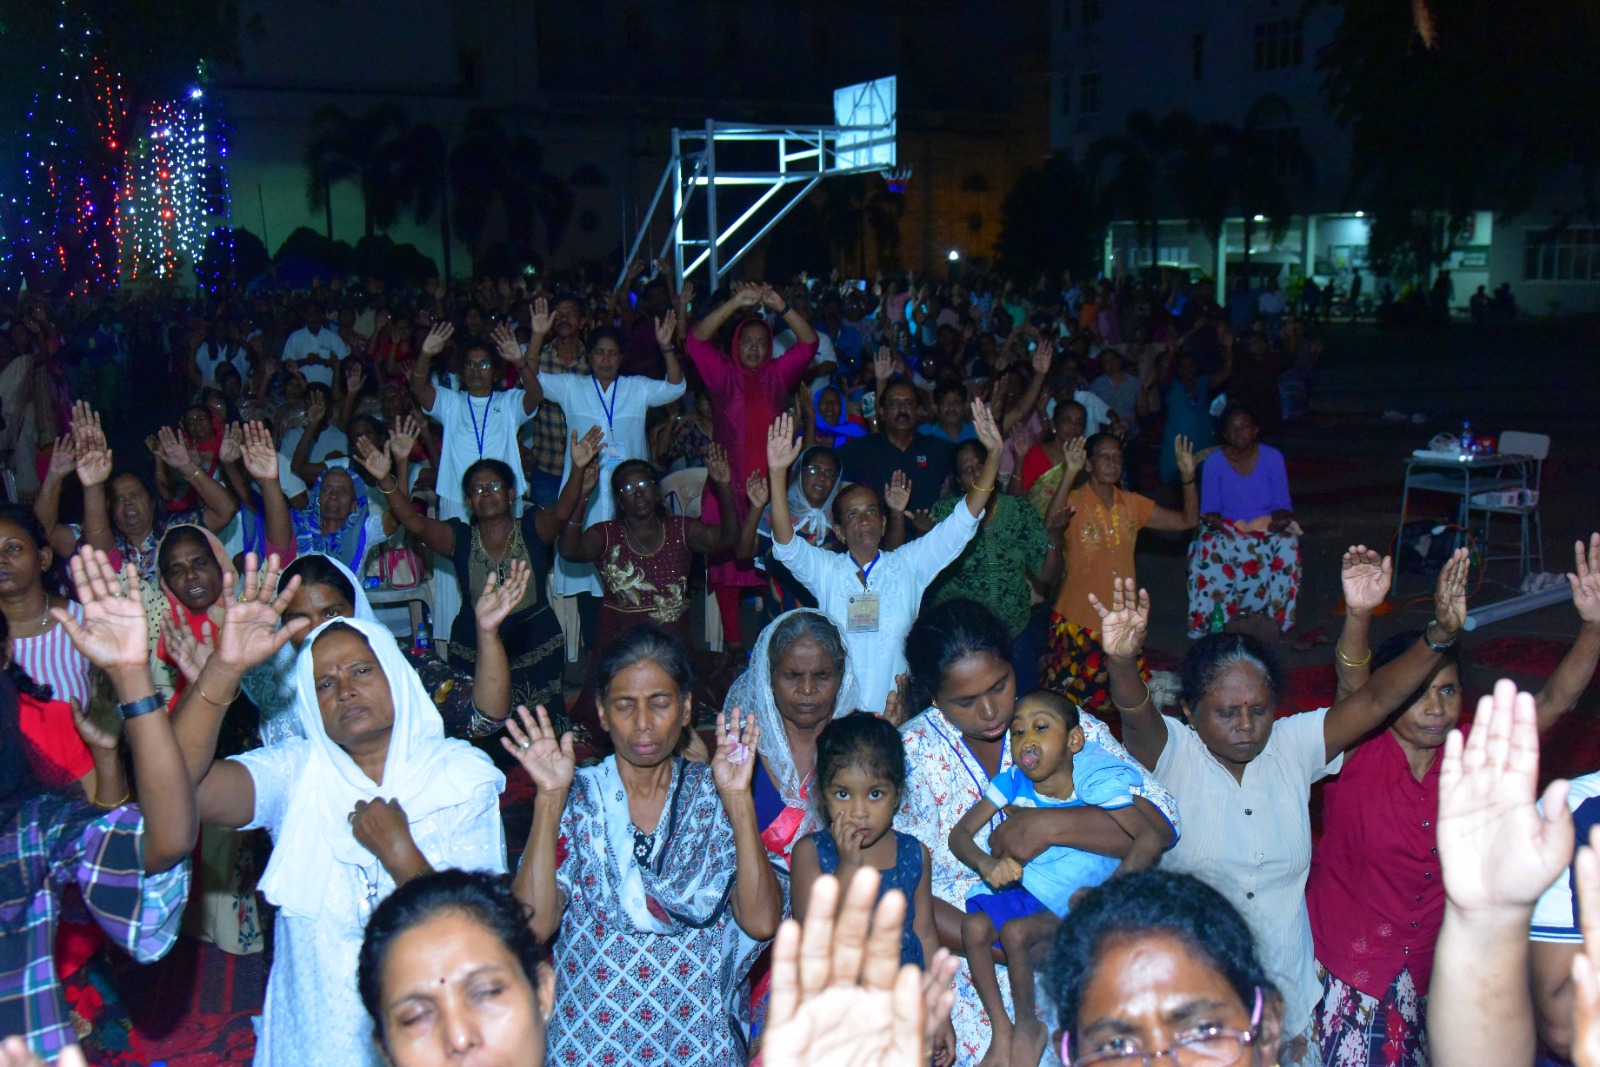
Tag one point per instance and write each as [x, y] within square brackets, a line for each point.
[861, 615]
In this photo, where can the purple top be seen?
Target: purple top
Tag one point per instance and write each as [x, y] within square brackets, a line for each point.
[1238, 498]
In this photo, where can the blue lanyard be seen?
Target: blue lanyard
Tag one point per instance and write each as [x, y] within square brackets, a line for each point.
[610, 411]
[982, 787]
[479, 433]
[866, 572]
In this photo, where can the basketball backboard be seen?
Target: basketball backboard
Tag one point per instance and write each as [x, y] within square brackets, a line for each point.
[869, 104]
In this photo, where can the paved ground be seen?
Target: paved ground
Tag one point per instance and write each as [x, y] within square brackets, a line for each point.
[1533, 377]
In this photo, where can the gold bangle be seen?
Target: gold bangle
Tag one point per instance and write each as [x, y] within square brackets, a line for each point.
[213, 700]
[981, 489]
[1137, 706]
[1338, 654]
[391, 489]
[112, 807]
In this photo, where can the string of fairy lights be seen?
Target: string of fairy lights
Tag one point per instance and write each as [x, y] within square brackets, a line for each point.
[110, 192]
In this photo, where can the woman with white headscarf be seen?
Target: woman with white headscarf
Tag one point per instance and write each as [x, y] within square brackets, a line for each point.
[373, 795]
[799, 678]
[813, 486]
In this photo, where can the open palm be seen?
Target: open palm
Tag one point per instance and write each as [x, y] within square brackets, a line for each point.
[1366, 578]
[1450, 596]
[549, 761]
[114, 632]
[498, 598]
[250, 633]
[734, 761]
[1585, 579]
[1123, 625]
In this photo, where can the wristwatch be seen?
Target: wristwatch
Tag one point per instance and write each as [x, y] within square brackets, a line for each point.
[143, 706]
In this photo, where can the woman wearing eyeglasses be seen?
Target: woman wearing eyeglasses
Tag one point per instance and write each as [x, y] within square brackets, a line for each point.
[1159, 967]
[495, 539]
[643, 555]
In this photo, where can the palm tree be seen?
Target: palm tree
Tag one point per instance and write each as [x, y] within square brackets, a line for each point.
[500, 187]
[357, 148]
[1263, 165]
[1141, 159]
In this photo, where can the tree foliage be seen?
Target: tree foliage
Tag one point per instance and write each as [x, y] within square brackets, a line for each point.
[1486, 119]
[1050, 220]
[501, 191]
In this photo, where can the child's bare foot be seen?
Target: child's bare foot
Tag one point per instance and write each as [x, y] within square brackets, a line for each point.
[999, 1054]
[1028, 1039]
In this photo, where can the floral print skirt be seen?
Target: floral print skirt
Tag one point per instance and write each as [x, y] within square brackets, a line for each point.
[1075, 665]
[1355, 1030]
[1245, 572]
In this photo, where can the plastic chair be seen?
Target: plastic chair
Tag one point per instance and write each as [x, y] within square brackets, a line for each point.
[1531, 542]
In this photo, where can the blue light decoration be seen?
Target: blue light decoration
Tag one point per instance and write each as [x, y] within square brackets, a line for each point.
[175, 186]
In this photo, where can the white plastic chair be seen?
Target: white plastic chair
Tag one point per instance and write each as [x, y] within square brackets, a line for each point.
[1531, 543]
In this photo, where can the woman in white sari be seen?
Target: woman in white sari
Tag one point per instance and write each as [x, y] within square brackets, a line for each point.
[371, 796]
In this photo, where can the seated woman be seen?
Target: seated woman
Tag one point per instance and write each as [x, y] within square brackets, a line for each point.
[128, 861]
[1247, 557]
[873, 596]
[813, 487]
[483, 552]
[370, 797]
[799, 680]
[1159, 964]
[1006, 556]
[38, 645]
[325, 589]
[650, 863]
[1060, 458]
[643, 556]
[834, 424]
[338, 520]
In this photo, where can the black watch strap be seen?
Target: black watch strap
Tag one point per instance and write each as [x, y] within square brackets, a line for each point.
[153, 702]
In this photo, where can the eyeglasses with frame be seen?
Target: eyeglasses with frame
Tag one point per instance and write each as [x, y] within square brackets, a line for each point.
[817, 470]
[1206, 1046]
[480, 488]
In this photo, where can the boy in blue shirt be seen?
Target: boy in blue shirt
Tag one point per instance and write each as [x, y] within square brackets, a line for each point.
[1052, 769]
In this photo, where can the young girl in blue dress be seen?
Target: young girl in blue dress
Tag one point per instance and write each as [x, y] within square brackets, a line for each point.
[861, 766]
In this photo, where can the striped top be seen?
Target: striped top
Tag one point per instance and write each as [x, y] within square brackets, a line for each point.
[50, 659]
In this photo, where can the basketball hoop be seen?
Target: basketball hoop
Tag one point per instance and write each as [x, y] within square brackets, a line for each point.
[896, 178]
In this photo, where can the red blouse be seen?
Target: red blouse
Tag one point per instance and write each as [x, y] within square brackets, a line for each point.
[1375, 892]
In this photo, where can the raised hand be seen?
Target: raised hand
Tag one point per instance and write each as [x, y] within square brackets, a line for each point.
[377, 460]
[499, 599]
[921, 520]
[260, 456]
[1056, 525]
[1497, 852]
[771, 298]
[1450, 595]
[839, 994]
[734, 760]
[250, 633]
[883, 364]
[114, 632]
[170, 448]
[14, 1052]
[1183, 452]
[1123, 625]
[63, 457]
[988, 432]
[757, 490]
[437, 338]
[782, 446]
[897, 494]
[94, 733]
[717, 466]
[232, 449]
[1043, 357]
[686, 294]
[896, 706]
[1075, 456]
[316, 411]
[1585, 579]
[1365, 578]
[539, 317]
[549, 761]
[584, 449]
[403, 434]
[746, 294]
[505, 343]
[355, 377]
[190, 653]
[667, 330]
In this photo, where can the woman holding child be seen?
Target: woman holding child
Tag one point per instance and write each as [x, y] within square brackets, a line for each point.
[960, 663]
[1244, 782]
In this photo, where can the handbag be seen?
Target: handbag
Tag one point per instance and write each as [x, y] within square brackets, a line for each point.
[401, 568]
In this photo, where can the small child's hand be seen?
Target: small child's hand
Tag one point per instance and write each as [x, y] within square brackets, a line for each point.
[847, 840]
[944, 1045]
[1003, 872]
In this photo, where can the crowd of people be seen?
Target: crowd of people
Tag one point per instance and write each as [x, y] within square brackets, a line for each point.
[908, 511]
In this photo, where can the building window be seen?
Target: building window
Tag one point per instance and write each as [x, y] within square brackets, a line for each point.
[1197, 60]
[1066, 94]
[1280, 43]
[1089, 93]
[1570, 255]
[1091, 12]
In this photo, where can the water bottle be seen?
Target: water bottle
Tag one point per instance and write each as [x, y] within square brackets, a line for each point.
[1467, 443]
[1218, 619]
[424, 638]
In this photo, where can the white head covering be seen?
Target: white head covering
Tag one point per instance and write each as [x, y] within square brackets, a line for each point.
[752, 692]
[812, 522]
[272, 685]
[424, 772]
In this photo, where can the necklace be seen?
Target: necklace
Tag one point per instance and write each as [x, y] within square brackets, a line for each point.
[639, 551]
[501, 563]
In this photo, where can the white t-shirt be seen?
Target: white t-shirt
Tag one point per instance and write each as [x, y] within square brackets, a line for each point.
[325, 342]
[330, 442]
[1099, 412]
[208, 357]
[1555, 917]
[620, 412]
[1250, 840]
[826, 353]
[898, 580]
[474, 429]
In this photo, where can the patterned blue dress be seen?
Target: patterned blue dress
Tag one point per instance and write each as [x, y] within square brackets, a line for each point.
[906, 874]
